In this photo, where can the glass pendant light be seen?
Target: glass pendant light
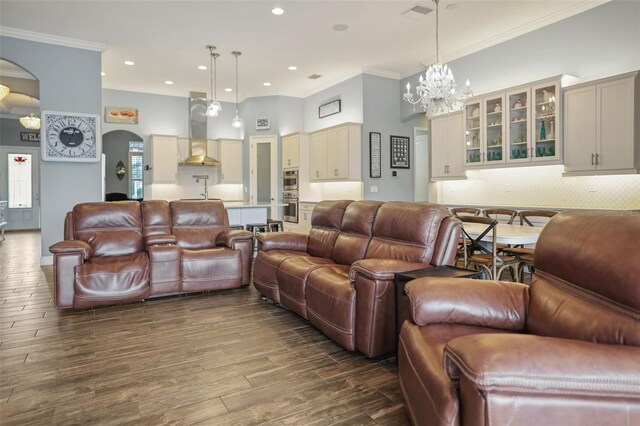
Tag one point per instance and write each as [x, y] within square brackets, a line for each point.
[30, 121]
[214, 108]
[4, 91]
[237, 121]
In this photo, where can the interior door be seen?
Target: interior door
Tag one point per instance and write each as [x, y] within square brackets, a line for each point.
[264, 171]
[20, 186]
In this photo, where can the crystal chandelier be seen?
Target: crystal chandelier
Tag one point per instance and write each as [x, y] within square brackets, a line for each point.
[237, 121]
[30, 121]
[4, 91]
[437, 89]
[214, 108]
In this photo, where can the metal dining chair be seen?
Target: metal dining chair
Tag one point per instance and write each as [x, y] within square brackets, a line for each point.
[478, 256]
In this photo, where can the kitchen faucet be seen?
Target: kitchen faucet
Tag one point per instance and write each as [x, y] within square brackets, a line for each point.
[206, 189]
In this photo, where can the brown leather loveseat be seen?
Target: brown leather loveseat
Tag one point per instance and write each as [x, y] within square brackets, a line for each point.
[340, 276]
[564, 351]
[118, 252]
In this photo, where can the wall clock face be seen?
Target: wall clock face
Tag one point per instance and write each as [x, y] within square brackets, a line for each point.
[71, 137]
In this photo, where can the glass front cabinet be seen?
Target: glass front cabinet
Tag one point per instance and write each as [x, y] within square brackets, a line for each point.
[546, 135]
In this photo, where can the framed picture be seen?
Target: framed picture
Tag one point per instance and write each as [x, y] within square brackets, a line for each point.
[399, 152]
[331, 108]
[375, 155]
[69, 136]
[262, 123]
[122, 115]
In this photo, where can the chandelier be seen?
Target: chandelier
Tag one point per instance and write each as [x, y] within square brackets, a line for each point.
[437, 89]
[237, 121]
[30, 121]
[214, 108]
[4, 91]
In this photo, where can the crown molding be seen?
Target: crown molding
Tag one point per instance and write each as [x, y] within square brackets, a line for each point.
[52, 39]
[381, 72]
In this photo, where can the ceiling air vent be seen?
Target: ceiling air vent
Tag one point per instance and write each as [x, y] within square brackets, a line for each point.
[314, 76]
[417, 12]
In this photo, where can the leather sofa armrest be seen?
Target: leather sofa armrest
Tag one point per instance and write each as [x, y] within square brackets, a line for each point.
[229, 238]
[382, 269]
[156, 240]
[544, 365]
[71, 247]
[283, 241]
[465, 301]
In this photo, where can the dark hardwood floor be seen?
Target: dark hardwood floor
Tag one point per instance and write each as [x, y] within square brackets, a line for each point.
[224, 358]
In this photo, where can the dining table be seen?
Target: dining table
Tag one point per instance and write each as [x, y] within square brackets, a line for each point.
[505, 234]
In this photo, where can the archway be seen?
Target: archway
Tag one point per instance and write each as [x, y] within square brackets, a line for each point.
[121, 163]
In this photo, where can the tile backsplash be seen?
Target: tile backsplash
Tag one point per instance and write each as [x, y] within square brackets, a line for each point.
[542, 186]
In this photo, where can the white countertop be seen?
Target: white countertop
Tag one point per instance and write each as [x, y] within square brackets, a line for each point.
[248, 205]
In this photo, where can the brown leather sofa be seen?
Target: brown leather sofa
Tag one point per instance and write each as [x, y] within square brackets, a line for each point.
[564, 351]
[118, 252]
[340, 276]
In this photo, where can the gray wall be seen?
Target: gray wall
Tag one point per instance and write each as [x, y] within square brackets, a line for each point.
[10, 130]
[600, 42]
[67, 88]
[115, 146]
[382, 115]
[350, 94]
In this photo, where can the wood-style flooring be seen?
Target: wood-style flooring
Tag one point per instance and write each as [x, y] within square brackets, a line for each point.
[225, 358]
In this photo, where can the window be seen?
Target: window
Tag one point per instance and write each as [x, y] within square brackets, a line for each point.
[19, 181]
[136, 183]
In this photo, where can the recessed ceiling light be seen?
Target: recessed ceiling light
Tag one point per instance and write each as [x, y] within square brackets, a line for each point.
[103, 73]
[129, 63]
[277, 11]
[451, 6]
[266, 83]
[202, 67]
[340, 27]
[228, 89]
[293, 68]
[169, 82]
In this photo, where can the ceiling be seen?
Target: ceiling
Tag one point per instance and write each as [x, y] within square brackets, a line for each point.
[167, 39]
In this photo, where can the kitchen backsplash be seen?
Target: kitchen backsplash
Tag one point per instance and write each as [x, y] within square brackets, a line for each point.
[542, 186]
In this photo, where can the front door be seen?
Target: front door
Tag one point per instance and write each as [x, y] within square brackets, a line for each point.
[264, 176]
[20, 186]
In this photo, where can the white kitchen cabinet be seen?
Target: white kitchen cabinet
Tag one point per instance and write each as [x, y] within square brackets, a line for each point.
[230, 155]
[601, 133]
[334, 153]
[305, 211]
[291, 151]
[164, 158]
[447, 156]
[484, 131]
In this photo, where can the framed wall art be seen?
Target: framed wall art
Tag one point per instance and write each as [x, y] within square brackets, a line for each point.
[375, 155]
[262, 123]
[400, 152]
[122, 115]
[331, 108]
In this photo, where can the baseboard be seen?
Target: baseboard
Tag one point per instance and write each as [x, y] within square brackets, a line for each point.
[46, 260]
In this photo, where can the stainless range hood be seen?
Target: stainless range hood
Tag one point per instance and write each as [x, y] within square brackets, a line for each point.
[198, 132]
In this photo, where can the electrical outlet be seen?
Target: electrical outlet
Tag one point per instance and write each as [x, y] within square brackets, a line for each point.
[507, 188]
[374, 188]
[592, 187]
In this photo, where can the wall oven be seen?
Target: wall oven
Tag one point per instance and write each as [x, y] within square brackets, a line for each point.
[290, 180]
[290, 198]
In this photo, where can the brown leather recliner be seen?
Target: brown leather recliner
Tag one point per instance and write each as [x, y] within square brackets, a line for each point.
[102, 260]
[564, 351]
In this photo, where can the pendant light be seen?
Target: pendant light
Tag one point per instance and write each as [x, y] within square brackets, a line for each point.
[30, 121]
[4, 91]
[237, 121]
[214, 108]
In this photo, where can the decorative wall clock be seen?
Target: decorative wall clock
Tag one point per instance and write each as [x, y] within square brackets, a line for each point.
[69, 136]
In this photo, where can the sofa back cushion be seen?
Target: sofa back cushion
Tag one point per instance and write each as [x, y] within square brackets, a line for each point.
[406, 231]
[110, 228]
[156, 218]
[355, 232]
[197, 224]
[587, 278]
[325, 227]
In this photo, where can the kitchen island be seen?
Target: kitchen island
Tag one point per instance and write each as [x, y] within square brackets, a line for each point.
[243, 212]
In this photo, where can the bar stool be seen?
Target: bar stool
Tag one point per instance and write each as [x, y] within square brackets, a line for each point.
[275, 225]
[236, 227]
[256, 228]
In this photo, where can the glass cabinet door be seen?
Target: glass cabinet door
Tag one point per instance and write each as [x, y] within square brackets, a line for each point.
[519, 128]
[494, 130]
[473, 134]
[545, 133]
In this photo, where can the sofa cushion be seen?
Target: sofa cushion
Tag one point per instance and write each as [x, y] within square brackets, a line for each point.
[355, 232]
[325, 227]
[110, 280]
[156, 217]
[196, 224]
[331, 304]
[265, 270]
[111, 229]
[292, 279]
[211, 269]
[406, 231]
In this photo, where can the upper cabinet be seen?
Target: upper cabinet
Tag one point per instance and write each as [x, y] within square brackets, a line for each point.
[164, 158]
[516, 127]
[230, 155]
[334, 153]
[291, 151]
[601, 133]
[447, 156]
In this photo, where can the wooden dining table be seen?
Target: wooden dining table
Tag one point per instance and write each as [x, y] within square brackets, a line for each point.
[505, 234]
